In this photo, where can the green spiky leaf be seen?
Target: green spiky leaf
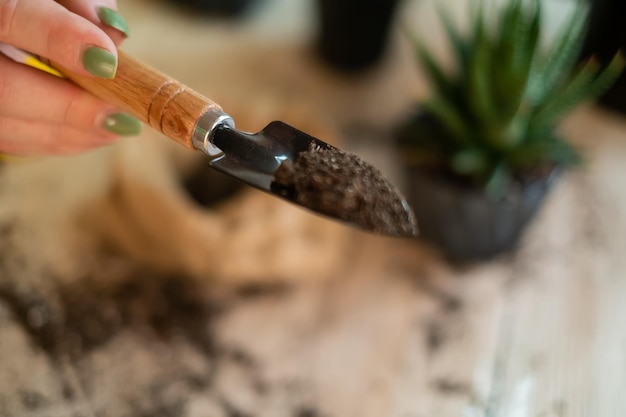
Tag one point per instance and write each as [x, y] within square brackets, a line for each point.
[471, 161]
[433, 70]
[479, 83]
[546, 151]
[498, 181]
[498, 111]
[607, 77]
[460, 46]
[549, 72]
[450, 118]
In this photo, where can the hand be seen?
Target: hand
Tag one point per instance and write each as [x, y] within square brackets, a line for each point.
[40, 113]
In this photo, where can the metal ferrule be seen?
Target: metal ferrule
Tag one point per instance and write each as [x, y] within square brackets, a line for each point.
[203, 131]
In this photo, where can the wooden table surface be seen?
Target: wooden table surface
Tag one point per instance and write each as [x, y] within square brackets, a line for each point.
[120, 298]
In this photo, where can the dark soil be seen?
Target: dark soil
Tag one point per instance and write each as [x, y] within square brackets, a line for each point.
[76, 319]
[450, 387]
[341, 185]
[73, 320]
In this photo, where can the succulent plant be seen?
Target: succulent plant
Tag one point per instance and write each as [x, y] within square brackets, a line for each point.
[496, 113]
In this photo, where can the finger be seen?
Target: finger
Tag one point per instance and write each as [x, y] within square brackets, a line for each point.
[25, 137]
[103, 13]
[48, 29]
[22, 89]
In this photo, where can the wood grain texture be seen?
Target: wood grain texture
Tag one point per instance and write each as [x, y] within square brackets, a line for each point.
[153, 97]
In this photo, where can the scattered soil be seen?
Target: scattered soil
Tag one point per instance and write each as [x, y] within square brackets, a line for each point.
[435, 336]
[76, 319]
[307, 411]
[450, 387]
[341, 185]
[32, 400]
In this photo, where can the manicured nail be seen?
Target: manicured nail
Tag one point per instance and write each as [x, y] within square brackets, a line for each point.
[100, 62]
[122, 124]
[113, 19]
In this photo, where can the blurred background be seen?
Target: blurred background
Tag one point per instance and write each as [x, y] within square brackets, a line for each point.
[136, 281]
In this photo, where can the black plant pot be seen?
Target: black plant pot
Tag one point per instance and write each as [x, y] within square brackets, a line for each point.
[353, 34]
[228, 8]
[466, 223]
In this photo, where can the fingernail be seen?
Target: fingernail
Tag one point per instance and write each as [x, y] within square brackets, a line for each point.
[100, 62]
[113, 19]
[122, 124]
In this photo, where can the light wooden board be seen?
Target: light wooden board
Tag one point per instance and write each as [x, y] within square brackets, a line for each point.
[391, 329]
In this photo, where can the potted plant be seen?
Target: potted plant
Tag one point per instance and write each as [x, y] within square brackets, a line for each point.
[483, 150]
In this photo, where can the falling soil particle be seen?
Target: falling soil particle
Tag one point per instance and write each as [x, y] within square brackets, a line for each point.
[341, 185]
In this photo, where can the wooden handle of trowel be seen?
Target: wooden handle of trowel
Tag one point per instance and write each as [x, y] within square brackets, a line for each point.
[154, 98]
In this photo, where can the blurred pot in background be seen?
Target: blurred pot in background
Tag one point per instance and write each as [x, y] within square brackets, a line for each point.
[606, 35]
[227, 8]
[353, 34]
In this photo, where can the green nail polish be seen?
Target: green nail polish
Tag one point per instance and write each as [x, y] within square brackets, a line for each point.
[100, 62]
[113, 19]
[122, 124]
